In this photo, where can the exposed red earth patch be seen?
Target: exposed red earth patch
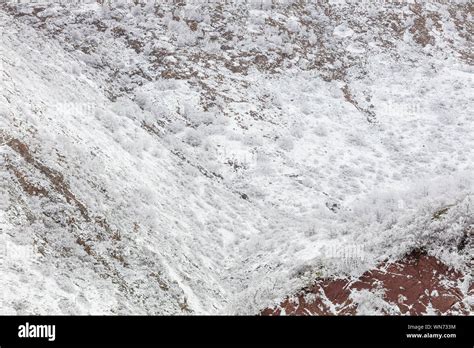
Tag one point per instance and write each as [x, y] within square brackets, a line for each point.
[418, 284]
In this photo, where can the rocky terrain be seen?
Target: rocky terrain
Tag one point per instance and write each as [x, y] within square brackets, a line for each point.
[416, 285]
[236, 157]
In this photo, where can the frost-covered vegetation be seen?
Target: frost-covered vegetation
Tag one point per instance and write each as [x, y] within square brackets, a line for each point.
[212, 157]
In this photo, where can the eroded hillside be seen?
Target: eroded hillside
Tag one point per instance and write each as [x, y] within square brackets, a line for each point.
[187, 157]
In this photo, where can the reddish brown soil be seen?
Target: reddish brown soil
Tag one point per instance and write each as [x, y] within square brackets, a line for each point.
[417, 284]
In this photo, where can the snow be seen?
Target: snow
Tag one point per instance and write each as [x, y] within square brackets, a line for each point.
[167, 160]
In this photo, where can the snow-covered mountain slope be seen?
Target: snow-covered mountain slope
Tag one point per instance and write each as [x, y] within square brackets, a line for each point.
[166, 158]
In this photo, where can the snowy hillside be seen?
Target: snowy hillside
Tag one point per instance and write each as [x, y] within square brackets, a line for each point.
[182, 157]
